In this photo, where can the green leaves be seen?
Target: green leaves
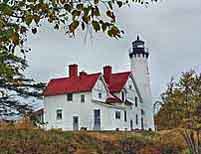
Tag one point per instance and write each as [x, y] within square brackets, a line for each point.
[96, 25]
[28, 19]
[73, 26]
[5, 9]
[119, 3]
[68, 7]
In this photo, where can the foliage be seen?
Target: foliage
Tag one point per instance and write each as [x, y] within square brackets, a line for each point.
[181, 103]
[13, 85]
[182, 108]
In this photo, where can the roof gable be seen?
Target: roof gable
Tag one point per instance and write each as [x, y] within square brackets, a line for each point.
[85, 83]
[71, 85]
[117, 81]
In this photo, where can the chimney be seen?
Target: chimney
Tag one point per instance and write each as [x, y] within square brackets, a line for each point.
[107, 71]
[73, 70]
[82, 74]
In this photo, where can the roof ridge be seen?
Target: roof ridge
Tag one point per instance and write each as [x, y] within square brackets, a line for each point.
[121, 73]
[62, 78]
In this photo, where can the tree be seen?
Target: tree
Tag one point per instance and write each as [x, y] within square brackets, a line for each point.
[18, 17]
[182, 108]
[180, 101]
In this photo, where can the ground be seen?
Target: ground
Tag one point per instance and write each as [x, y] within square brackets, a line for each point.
[36, 141]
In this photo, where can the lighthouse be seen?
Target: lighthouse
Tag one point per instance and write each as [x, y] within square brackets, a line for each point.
[139, 55]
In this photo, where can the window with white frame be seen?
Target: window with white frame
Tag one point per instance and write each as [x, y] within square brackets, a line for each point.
[69, 97]
[82, 98]
[59, 114]
[117, 115]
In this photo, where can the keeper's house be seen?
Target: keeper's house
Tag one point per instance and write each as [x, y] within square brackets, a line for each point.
[102, 101]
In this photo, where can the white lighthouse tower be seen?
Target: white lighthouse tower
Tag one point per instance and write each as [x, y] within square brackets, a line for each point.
[139, 67]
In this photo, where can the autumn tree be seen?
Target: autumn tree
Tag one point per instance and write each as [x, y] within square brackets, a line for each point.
[181, 102]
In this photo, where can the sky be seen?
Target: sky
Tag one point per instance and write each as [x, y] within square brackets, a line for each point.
[171, 30]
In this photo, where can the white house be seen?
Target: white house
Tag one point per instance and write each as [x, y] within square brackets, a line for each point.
[102, 101]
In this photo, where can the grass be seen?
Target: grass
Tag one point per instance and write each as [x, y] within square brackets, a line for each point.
[37, 141]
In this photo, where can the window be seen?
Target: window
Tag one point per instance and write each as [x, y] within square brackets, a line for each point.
[142, 112]
[59, 114]
[69, 97]
[118, 115]
[136, 101]
[82, 98]
[125, 116]
[123, 95]
[136, 120]
[99, 95]
[130, 87]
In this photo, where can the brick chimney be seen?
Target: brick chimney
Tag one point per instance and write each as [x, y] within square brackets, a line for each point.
[107, 72]
[73, 70]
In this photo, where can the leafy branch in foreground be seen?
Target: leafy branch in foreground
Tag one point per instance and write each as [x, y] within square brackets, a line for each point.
[14, 87]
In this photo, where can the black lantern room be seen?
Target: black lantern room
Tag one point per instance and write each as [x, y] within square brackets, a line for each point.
[138, 48]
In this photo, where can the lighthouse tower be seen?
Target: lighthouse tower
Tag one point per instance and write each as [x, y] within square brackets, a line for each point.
[139, 67]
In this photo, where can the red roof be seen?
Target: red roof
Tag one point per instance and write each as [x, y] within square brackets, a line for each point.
[84, 82]
[117, 81]
[71, 85]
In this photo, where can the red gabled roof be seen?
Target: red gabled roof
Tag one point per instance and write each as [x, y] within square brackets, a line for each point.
[85, 82]
[71, 85]
[117, 81]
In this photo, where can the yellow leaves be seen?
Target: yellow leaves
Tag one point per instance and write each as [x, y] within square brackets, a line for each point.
[73, 26]
[28, 19]
[36, 19]
[15, 38]
[114, 32]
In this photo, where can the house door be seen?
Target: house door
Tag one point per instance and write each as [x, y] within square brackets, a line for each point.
[97, 120]
[75, 123]
[131, 124]
[142, 123]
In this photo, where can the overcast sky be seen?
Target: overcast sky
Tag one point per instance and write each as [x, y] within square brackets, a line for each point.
[171, 29]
